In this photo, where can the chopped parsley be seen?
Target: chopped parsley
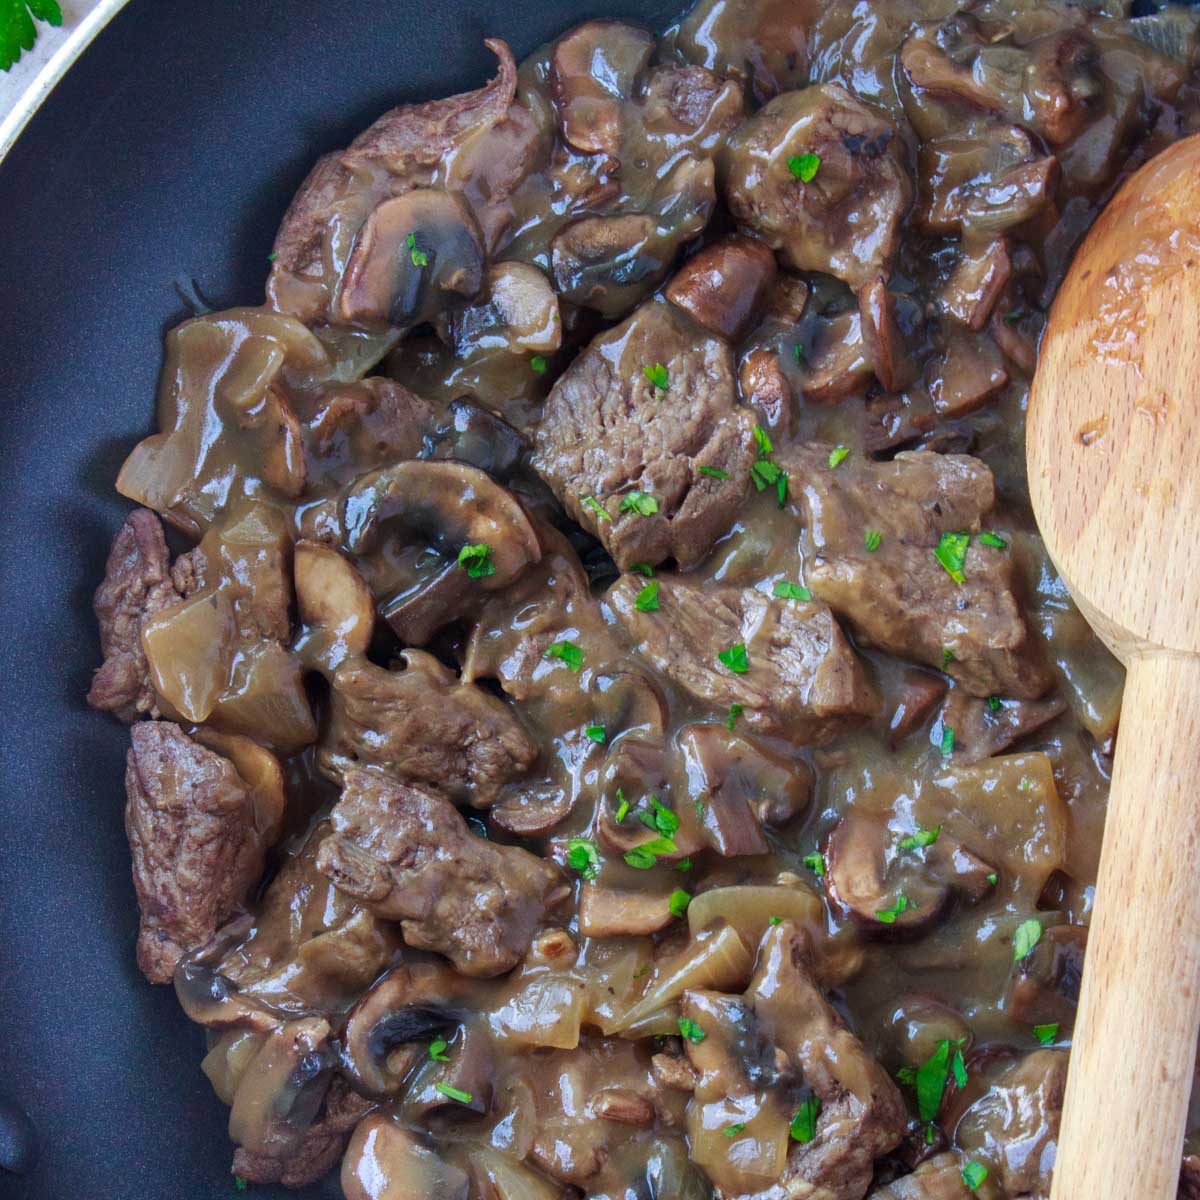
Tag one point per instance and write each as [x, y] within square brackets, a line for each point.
[643, 569]
[798, 351]
[947, 657]
[1046, 1034]
[815, 862]
[622, 806]
[973, 1175]
[477, 560]
[764, 474]
[657, 375]
[947, 741]
[763, 440]
[713, 472]
[804, 1123]
[934, 1073]
[538, 364]
[993, 879]
[437, 1050]
[641, 503]
[647, 598]
[679, 901]
[735, 711]
[838, 455]
[731, 1131]
[660, 818]
[988, 538]
[596, 507]
[272, 256]
[781, 487]
[238, 1181]
[791, 591]
[920, 839]
[582, 856]
[1028, 934]
[645, 856]
[774, 920]
[597, 733]
[951, 552]
[888, 915]
[418, 256]
[454, 1093]
[690, 1030]
[569, 652]
[735, 659]
[994, 703]
[684, 864]
[804, 166]
[872, 539]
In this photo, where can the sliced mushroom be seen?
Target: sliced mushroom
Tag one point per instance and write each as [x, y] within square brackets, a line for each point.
[765, 388]
[517, 310]
[920, 692]
[835, 359]
[1045, 984]
[260, 771]
[975, 284]
[412, 1004]
[983, 728]
[212, 999]
[967, 374]
[725, 285]
[415, 253]
[479, 438]
[470, 1071]
[335, 606]
[891, 360]
[386, 1162]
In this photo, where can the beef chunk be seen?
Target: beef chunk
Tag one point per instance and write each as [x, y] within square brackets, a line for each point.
[802, 682]
[425, 725]
[409, 857]
[136, 585]
[845, 219]
[984, 728]
[196, 853]
[939, 1178]
[899, 597]
[608, 430]
[320, 1150]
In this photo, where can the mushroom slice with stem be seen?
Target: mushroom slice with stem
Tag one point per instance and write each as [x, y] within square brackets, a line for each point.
[725, 285]
[387, 1162]
[335, 605]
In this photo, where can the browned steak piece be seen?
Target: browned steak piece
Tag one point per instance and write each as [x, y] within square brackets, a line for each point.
[608, 431]
[802, 680]
[409, 857]
[196, 852]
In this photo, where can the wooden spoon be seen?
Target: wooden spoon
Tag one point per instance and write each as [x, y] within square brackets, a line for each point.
[1113, 440]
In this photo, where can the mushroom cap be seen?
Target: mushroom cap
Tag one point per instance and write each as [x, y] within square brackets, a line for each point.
[386, 1162]
[335, 604]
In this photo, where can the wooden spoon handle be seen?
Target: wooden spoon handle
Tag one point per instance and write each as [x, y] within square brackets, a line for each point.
[1134, 1052]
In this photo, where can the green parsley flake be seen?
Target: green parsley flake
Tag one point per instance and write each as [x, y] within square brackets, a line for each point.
[947, 741]
[418, 256]
[791, 591]
[597, 733]
[735, 711]
[934, 1073]
[569, 652]
[873, 539]
[798, 351]
[239, 1183]
[907, 1076]
[642, 569]
[592, 503]
[988, 538]
[622, 806]
[774, 920]
[647, 598]
[713, 472]
[951, 552]
[684, 864]
[437, 1050]
[538, 364]
[888, 915]
[454, 1093]
[804, 166]
[690, 1030]
[993, 879]
[1028, 934]
[641, 503]
[645, 856]
[781, 488]
[679, 902]
[973, 1175]
[731, 1131]
[764, 474]
[582, 856]
[838, 455]
[763, 439]
[1046, 1034]
[994, 703]
[804, 1123]
[735, 659]
[947, 657]
[920, 839]
[272, 256]
[815, 862]
[477, 560]
[657, 375]
[660, 818]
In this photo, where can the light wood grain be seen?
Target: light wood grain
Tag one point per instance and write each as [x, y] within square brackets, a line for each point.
[1113, 441]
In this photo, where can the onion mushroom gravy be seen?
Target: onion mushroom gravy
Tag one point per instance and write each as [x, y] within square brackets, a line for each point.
[611, 726]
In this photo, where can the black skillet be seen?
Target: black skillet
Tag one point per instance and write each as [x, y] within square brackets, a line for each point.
[168, 153]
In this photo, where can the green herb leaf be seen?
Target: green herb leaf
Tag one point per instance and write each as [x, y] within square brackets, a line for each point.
[735, 659]
[994, 703]
[873, 539]
[947, 741]
[888, 915]
[454, 1093]
[951, 552]
[958, 1068]
[815, 862]
[582, 856]
[1046, 1034]
[993, 879]
[907, 1076]
[735, 711]
[713, 472]
[647, 598]
[679, 902]
[437, 1050]
[798, 351]
[592, 503]
[418, 256]
[645, 856]
[764, 441]
[238, 1181]
[597, 733]
[641, 503]
[622, 806]
[973, 1175]
[920, 839]
[988, 538]
[774, 920]
[731, 1131]
[538, 364]
[684, 864]
[804, 1123]
[931, 1079]
[690, 1030]
[272, 256]
[569, 652]
[642, 569]
[947, 657]
[657, 375]
[477, 560]
[781, 488]
[804, 166]
[17, 30]
[764, 474]
[791, 591]
[1028, 934]
[838, 455]
[665, 821]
